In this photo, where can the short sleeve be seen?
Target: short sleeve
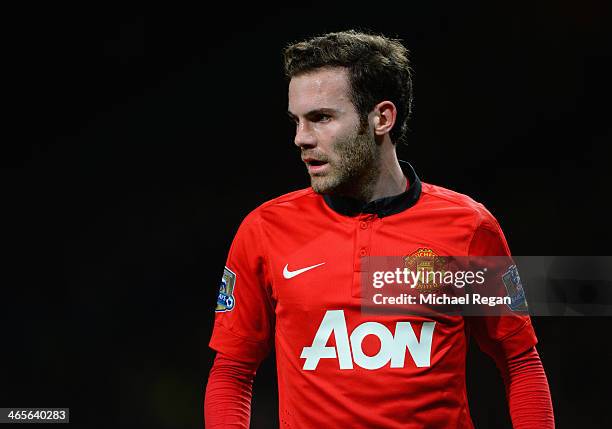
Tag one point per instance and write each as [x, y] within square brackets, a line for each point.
[509, 334]
[244, 316]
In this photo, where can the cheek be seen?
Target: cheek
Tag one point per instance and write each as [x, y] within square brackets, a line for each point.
[326, 136]
[335, 133]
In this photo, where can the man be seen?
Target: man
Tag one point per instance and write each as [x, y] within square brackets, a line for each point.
[293, 274]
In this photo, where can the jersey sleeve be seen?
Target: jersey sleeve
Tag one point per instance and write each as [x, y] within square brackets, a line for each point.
[244, 316]
[527, 390]
[511, 333]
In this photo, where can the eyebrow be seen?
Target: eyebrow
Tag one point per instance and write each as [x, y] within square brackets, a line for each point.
[321, 111]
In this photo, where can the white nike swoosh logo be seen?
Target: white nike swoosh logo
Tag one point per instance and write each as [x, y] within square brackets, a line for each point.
[290, 274]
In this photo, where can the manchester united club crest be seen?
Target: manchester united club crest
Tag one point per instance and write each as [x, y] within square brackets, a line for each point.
[225, 299]
[514, 288]
[429, 266]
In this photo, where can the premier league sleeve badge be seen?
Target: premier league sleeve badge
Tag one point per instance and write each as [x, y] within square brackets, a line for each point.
[225, 298]
[514, 289]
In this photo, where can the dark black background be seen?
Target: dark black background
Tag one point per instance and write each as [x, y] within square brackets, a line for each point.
[136, 139]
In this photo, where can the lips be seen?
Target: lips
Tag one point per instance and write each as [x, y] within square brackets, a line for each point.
[314, 162]
[315, 165]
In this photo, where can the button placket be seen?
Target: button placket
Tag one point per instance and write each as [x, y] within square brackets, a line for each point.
[363, 245]
[363, 242]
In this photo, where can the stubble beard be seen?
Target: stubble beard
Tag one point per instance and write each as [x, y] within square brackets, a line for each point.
[355, 168]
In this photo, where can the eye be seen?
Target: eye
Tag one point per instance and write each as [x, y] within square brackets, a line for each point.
[322, 117]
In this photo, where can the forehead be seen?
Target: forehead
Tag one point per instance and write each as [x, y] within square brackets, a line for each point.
[322, 88]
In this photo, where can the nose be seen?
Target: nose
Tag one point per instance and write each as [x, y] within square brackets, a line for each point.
[304, 136]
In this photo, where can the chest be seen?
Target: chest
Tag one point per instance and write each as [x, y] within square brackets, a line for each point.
[323, 264]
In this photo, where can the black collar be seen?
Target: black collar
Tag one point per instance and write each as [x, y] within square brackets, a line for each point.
[383, 206]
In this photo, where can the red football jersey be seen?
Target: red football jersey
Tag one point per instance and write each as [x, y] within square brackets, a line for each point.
[293, 277]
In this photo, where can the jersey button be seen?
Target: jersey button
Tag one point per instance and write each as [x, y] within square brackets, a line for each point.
[363, 252]
[363, 225]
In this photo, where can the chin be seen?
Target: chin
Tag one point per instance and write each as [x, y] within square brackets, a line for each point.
[323, 185]
[318, 185]
[317, 188]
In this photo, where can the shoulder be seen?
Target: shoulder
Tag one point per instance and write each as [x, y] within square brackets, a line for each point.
[441, 200]
[296, 202]
[299, 197]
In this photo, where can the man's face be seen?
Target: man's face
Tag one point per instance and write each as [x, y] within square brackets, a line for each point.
[339, 156]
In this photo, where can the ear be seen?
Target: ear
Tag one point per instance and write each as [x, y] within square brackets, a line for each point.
[383, 115]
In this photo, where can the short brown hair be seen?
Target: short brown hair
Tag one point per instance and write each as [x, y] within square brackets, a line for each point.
[378, 69]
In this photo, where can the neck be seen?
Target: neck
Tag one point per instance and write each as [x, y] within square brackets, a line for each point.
[390, 179]
[385, 178]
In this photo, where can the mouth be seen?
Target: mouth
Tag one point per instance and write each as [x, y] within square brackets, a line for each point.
[315, 166]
